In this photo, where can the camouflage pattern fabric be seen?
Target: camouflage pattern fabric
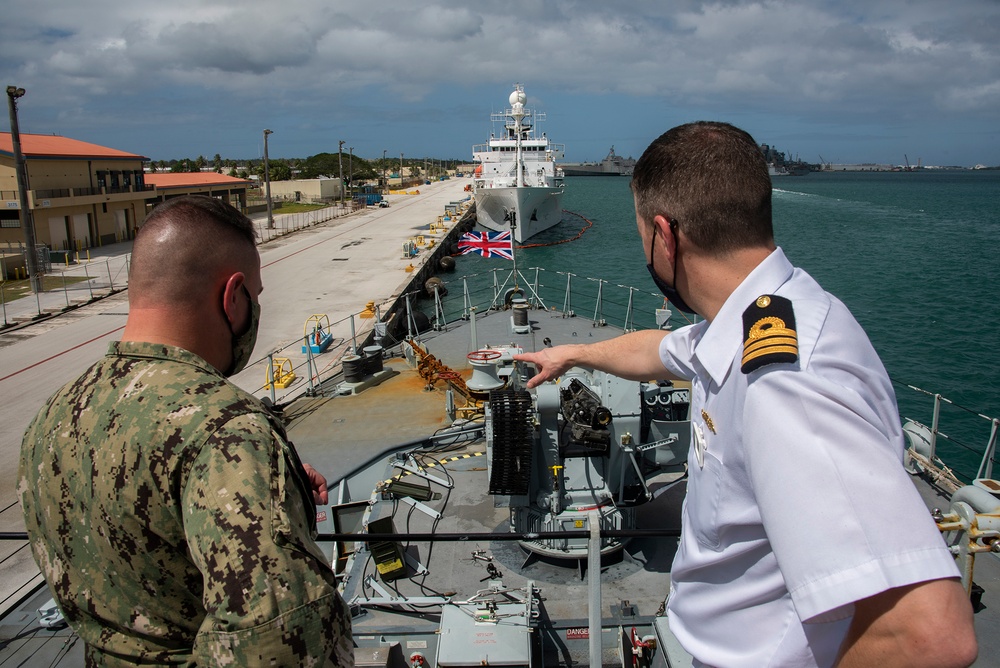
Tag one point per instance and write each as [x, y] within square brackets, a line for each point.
[173, 521]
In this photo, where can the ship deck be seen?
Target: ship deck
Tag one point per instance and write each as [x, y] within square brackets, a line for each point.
[361, 440]
[359, 436]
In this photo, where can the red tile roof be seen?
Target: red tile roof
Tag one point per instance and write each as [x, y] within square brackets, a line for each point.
[54, 146]
[188, 179]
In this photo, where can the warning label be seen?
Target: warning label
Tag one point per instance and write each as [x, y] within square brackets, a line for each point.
[582, 633]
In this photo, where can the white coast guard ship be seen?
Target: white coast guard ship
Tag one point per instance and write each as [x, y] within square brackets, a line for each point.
[518, 186]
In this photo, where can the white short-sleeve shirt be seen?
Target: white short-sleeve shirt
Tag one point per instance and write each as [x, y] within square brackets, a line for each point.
[797, 503]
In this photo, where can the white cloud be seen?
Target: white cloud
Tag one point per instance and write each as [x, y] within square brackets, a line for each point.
[827, 59]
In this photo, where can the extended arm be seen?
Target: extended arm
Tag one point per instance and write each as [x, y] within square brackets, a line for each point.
[634, 356]
[925, 624]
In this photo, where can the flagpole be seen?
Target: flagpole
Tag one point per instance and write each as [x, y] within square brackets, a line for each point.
[513, 236]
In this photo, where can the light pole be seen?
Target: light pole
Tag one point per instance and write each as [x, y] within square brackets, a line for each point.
[350, 171]
[340, 158]
[267, 184]
[401, 186]
[385, 184]
[27, 220]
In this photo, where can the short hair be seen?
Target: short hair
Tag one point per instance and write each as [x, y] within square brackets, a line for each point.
[184, 243]
[711, 178]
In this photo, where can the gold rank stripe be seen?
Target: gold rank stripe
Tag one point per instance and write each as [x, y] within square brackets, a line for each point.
[769, 350]
[768, 342]
[436, 463]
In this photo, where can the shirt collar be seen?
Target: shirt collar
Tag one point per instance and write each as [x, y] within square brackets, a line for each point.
[724, 335]
[159, 351]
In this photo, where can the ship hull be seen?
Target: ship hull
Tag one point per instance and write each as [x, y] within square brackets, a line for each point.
[596, 170]
[537, 209]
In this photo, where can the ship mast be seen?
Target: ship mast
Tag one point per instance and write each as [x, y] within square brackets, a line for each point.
[517, 112]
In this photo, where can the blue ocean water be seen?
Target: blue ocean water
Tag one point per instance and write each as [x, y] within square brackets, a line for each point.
[915, 256]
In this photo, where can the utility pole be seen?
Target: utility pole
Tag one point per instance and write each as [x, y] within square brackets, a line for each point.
[27, 220]
[340, 158]
[267, 184]
[385, 185]
[350, 171]
[401, 186]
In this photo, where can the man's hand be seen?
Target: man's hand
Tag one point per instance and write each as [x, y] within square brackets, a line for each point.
[550, 362]
[318, 482]
[634, 356]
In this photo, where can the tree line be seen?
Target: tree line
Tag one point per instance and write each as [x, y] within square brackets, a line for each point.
[355, 168]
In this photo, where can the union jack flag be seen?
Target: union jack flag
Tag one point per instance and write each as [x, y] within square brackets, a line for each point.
[487, 244]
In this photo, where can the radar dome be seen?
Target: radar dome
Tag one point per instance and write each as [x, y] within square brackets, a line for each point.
[518, 97]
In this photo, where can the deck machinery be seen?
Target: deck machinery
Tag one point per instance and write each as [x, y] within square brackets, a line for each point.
[588, 442]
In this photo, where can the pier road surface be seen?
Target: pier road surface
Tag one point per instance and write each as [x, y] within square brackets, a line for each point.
[333, 268]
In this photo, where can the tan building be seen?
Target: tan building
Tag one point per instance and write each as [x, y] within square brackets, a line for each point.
[83, 195]
[308, 190]
[229, 189]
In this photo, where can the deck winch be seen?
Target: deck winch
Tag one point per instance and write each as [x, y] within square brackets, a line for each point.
[587, 442]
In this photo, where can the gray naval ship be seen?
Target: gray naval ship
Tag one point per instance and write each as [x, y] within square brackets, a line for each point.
[612, 165]
[480, 523]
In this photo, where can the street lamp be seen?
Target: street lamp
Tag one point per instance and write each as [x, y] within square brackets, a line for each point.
[27, 220]
[340, 158]
[350, 170]
[401, 185]
[267, 184]
[385, 184]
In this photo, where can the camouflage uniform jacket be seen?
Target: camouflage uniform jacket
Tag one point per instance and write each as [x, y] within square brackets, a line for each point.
[173, 521]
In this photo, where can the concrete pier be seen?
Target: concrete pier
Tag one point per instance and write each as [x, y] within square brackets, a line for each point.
[334, 268]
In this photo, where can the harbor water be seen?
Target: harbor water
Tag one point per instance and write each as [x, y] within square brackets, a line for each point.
[915, 256]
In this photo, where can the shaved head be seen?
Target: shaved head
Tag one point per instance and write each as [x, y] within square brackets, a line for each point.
[186, 244]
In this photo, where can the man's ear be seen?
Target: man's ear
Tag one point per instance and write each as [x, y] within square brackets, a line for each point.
[666, 235]
[234, 307]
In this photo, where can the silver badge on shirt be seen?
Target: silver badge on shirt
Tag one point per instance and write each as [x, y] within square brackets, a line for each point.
[700, 444]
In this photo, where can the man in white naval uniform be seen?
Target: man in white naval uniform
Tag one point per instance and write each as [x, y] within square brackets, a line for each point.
[803, 542]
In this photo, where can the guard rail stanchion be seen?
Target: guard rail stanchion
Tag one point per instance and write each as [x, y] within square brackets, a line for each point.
[65, 291]
[309, 363]
[111, 282]
[38, 298]
[270, 373]
[354, 342]
[89, 286]
[594, 585]
[3, 302]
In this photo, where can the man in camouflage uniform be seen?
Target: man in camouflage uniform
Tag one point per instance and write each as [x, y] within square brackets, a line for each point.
[167, 510]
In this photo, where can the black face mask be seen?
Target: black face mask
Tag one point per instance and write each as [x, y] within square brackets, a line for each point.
[669, 291]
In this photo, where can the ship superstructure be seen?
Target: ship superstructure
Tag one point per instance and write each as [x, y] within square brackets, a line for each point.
[612, 165]
[518, 185]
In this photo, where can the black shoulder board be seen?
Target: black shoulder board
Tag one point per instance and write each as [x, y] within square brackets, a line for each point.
[769, 333]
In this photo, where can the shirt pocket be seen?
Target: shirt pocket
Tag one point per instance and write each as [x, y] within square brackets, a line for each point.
[704, 500]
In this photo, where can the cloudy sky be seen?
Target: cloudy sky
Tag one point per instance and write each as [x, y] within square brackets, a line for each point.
[848, 80]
